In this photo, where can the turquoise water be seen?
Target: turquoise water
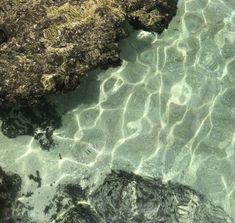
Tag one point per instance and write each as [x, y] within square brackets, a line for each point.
[168, 112]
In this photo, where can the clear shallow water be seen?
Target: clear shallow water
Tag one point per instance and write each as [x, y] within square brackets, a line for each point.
[168, 111]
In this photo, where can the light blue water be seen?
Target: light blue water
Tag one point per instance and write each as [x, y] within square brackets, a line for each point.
[168, 111]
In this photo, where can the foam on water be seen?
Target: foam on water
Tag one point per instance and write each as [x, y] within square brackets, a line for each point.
[168, 111]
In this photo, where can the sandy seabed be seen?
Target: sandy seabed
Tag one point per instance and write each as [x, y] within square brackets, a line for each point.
[167, 112]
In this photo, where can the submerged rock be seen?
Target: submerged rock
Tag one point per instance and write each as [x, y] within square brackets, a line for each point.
[9, 187]
[46, 45]
[39, 121]
[80, 213]
[126, 197]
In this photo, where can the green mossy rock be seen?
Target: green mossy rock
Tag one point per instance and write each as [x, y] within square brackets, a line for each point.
[47, 45]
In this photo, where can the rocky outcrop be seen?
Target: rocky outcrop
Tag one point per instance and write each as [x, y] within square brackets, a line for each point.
[47, 45]
[126, 197]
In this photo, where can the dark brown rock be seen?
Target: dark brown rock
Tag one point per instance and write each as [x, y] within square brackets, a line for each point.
[46, 46]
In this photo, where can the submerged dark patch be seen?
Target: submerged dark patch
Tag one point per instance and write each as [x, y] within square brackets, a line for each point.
[37, 179]
[3, 36]
[9, 187]
[39, 120]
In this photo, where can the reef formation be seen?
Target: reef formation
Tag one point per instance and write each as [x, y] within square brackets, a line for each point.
[47, 45]
[126, 197]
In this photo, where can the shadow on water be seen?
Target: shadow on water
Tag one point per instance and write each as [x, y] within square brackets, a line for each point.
[42, 119]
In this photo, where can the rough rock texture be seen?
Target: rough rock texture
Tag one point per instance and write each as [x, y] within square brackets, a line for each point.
[80, 213]
[9, 186]
[46, 45]
[126, 197]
